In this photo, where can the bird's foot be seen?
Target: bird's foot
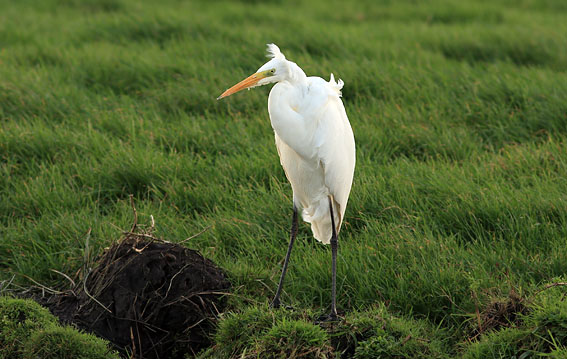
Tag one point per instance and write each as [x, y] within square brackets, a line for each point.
[275, 304]
[330, 318]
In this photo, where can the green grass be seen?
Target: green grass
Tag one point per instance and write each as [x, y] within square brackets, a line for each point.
[458, 108]
[29, 331]
[259, 332]
[542, 330]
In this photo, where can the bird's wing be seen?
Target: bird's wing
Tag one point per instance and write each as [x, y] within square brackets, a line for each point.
[334, 141]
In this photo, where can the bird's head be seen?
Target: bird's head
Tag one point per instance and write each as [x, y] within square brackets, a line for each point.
[272, 71]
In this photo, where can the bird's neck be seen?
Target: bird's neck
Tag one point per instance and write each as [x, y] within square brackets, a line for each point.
[296, 74]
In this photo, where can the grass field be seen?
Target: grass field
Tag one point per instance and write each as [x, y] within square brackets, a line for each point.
[459, 110]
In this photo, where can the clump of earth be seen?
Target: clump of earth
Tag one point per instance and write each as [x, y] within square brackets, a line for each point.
[500, 313]
[150, 298]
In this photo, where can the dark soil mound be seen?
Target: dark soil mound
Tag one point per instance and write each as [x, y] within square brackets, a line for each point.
[154, 299]
[500, 313]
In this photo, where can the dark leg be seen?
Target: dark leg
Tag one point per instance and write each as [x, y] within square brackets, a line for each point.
[276, 301]
[334, 246]
[332, 317]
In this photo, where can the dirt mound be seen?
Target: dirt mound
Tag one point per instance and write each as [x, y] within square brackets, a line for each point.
[500, 313]
[151, 298]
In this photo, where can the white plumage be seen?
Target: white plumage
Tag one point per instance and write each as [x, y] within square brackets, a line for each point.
[316, 148]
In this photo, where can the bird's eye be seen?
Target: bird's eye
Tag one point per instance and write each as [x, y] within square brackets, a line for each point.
[272, 71]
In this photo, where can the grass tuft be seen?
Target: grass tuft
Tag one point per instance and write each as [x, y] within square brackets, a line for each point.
[18, 320]
[376, 333]
[66, 343]
[28, 330]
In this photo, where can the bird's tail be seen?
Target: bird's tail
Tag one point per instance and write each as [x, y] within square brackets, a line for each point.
[318, 215]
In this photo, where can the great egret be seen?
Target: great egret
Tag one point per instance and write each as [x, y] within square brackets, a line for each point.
[316, 148]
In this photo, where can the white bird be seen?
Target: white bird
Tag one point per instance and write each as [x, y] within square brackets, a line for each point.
[316, 148]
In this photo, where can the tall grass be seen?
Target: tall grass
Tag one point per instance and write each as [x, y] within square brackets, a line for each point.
[459, 112]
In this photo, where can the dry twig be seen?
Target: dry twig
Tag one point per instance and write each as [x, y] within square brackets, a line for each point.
[195, 235]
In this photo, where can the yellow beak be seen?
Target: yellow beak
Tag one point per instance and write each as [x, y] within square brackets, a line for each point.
[246, 83]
